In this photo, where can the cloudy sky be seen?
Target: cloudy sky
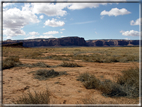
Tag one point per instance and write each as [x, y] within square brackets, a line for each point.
[56, 20]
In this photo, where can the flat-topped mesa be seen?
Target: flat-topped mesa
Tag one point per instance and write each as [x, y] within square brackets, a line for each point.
[65, 41]
[72, 41]
[112, 42]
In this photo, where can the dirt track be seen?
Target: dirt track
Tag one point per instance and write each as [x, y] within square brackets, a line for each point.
[64, 89]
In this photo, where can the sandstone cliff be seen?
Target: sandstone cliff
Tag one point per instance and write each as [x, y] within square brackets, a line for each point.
[66, 41]
[72, 41]
[112, 42]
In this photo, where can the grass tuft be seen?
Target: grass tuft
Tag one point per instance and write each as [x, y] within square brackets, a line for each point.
[43, 74]
[37, 98]
[70, 64]
[89, 81]
[11, 62]
[40, 64]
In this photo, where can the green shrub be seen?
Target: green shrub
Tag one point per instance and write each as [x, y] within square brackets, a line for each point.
[37, 98]
[70, 64]
[10, 62]
[43, 74]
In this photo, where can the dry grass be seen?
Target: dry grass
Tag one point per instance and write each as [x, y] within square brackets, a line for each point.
[69, 64]
[43, 74]
[89, 54]
[130, 81]
[10, 62]
[37, 98]
[89, 81]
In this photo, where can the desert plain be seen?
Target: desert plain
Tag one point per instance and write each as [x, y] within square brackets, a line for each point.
[105, 63]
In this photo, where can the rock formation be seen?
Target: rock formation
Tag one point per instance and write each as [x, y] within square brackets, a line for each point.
[71, 41]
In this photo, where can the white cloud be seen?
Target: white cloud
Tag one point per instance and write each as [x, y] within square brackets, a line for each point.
[63, 36]
[78, 23]
[61, 32]
[50, 9]
[13, 32]
[130, 33]
[137, 22]
[51, 32]
[33, 33]
[41, 16]
[62, 29]
[75, 6]
[7, 4]
[54, 23]
[15, 19]
[115, 12]
[41, 36]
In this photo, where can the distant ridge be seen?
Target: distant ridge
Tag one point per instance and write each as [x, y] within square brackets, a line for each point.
[72, 41]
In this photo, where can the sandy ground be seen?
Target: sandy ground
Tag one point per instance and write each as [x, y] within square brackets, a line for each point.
[64, 89]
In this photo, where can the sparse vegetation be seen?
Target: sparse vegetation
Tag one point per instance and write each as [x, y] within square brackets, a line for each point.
[37, 98]
[89, 81]
[70, 64]
[10, 62]
[40, 64]
[111, 89]
[89, 54]
[126, 85]
[43, 74]
[130, 81]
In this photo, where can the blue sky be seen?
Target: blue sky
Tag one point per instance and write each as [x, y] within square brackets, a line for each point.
[56, 20]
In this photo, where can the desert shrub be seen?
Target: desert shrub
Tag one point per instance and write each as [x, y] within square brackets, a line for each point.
[10, 62]
[43, 74]
[126, 85]
[37, 98]
[89, 101]
[70, 64]
[111, 89]
[130, 81]
[77, 50]
[104, 58]
[83, 77]
[40, 64]
[33, 55]
[89, 81]
[57, 57]
[110, 59]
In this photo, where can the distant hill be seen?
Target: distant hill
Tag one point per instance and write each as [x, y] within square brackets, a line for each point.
[112, 42]
[70, 41]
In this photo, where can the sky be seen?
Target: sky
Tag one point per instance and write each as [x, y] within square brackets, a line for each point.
[91, 21]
